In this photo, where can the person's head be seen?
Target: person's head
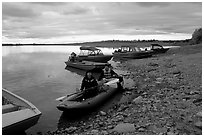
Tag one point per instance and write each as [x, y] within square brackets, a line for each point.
[73, 54]
[107, 66]
[88, 74]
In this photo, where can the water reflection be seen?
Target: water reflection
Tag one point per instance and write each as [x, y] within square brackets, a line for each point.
[76, 71]
[6, 50]
[95, 72]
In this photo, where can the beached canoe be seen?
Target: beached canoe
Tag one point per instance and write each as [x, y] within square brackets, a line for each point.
[85, 65]
[131, 52]
[75, 103]
[93, 54]
[18, 114]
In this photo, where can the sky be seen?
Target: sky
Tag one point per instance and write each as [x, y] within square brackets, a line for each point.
[71, 22]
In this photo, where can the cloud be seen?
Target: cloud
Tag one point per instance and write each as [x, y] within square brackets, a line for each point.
[76, 11]
[13, 10]
[49, 3]
[50, 20]
[152, 4]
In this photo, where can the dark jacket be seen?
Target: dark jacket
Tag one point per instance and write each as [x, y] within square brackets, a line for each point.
[88, 83]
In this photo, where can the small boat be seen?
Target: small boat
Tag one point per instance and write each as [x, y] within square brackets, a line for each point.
[156, 48]
[18, 114]
[131, 52]
[75, 103]
[86, 65]
[93, 54]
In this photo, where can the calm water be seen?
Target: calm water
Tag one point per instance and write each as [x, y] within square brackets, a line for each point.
[38, 74]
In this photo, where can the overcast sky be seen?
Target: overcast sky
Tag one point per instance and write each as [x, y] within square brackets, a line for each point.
[78, 22]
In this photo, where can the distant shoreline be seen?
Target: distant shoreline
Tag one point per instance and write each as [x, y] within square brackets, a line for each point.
[113, 43]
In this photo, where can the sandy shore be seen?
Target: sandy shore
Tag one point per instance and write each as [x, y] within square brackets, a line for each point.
[167, 98]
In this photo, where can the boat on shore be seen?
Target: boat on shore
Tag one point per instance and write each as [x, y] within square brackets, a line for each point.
[131, 52]
[86, 65]
[156, 48]
[75, 102]
[18, 114]
[93, 54]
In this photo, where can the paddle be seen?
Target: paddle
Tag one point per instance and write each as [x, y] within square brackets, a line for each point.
[108, 83]
[112, 81]
[61, 98]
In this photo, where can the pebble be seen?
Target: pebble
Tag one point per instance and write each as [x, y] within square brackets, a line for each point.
[141, 129]
[137, 100]
[122, 107]
[128, 92]
[104, 132]
[199, 114]
[94, 131]
[199, 100]
[153, 64]
[124, 128]
[176, 72]
[159, 79]
[194, 92]
[101, 124]
[198, 124]
[158, 130]
[171, 133]
[102, 113]
[70, 129]
[158, 82]
[189, 119]
[110, 127]
[118, 118]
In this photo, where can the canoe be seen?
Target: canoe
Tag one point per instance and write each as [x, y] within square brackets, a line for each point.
[18, 114]
[85, 65]
[156, 48]
[93, 54]
[132, 53]
[75, 104]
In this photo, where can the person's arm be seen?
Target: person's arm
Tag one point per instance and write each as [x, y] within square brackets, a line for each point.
[113, 74]
[101, 76]
[95, 82]
[82, 84]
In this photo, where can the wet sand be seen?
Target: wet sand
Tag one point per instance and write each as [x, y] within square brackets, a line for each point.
[166, 98]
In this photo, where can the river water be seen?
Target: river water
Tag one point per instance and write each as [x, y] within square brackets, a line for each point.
[38, 74]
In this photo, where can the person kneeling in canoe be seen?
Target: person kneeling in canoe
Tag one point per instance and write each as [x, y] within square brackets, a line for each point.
[108, 73]
[89, 85]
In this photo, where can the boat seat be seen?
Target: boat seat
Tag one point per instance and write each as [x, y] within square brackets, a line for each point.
[9, 108]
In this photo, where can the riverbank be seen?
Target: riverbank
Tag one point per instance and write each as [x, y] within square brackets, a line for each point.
[168, 90]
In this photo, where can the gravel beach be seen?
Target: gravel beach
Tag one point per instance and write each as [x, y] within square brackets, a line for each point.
[166, 98]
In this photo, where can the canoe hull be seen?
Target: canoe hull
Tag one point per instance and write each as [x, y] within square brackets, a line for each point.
[18, 120]
[68, 105]
[20, 126]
